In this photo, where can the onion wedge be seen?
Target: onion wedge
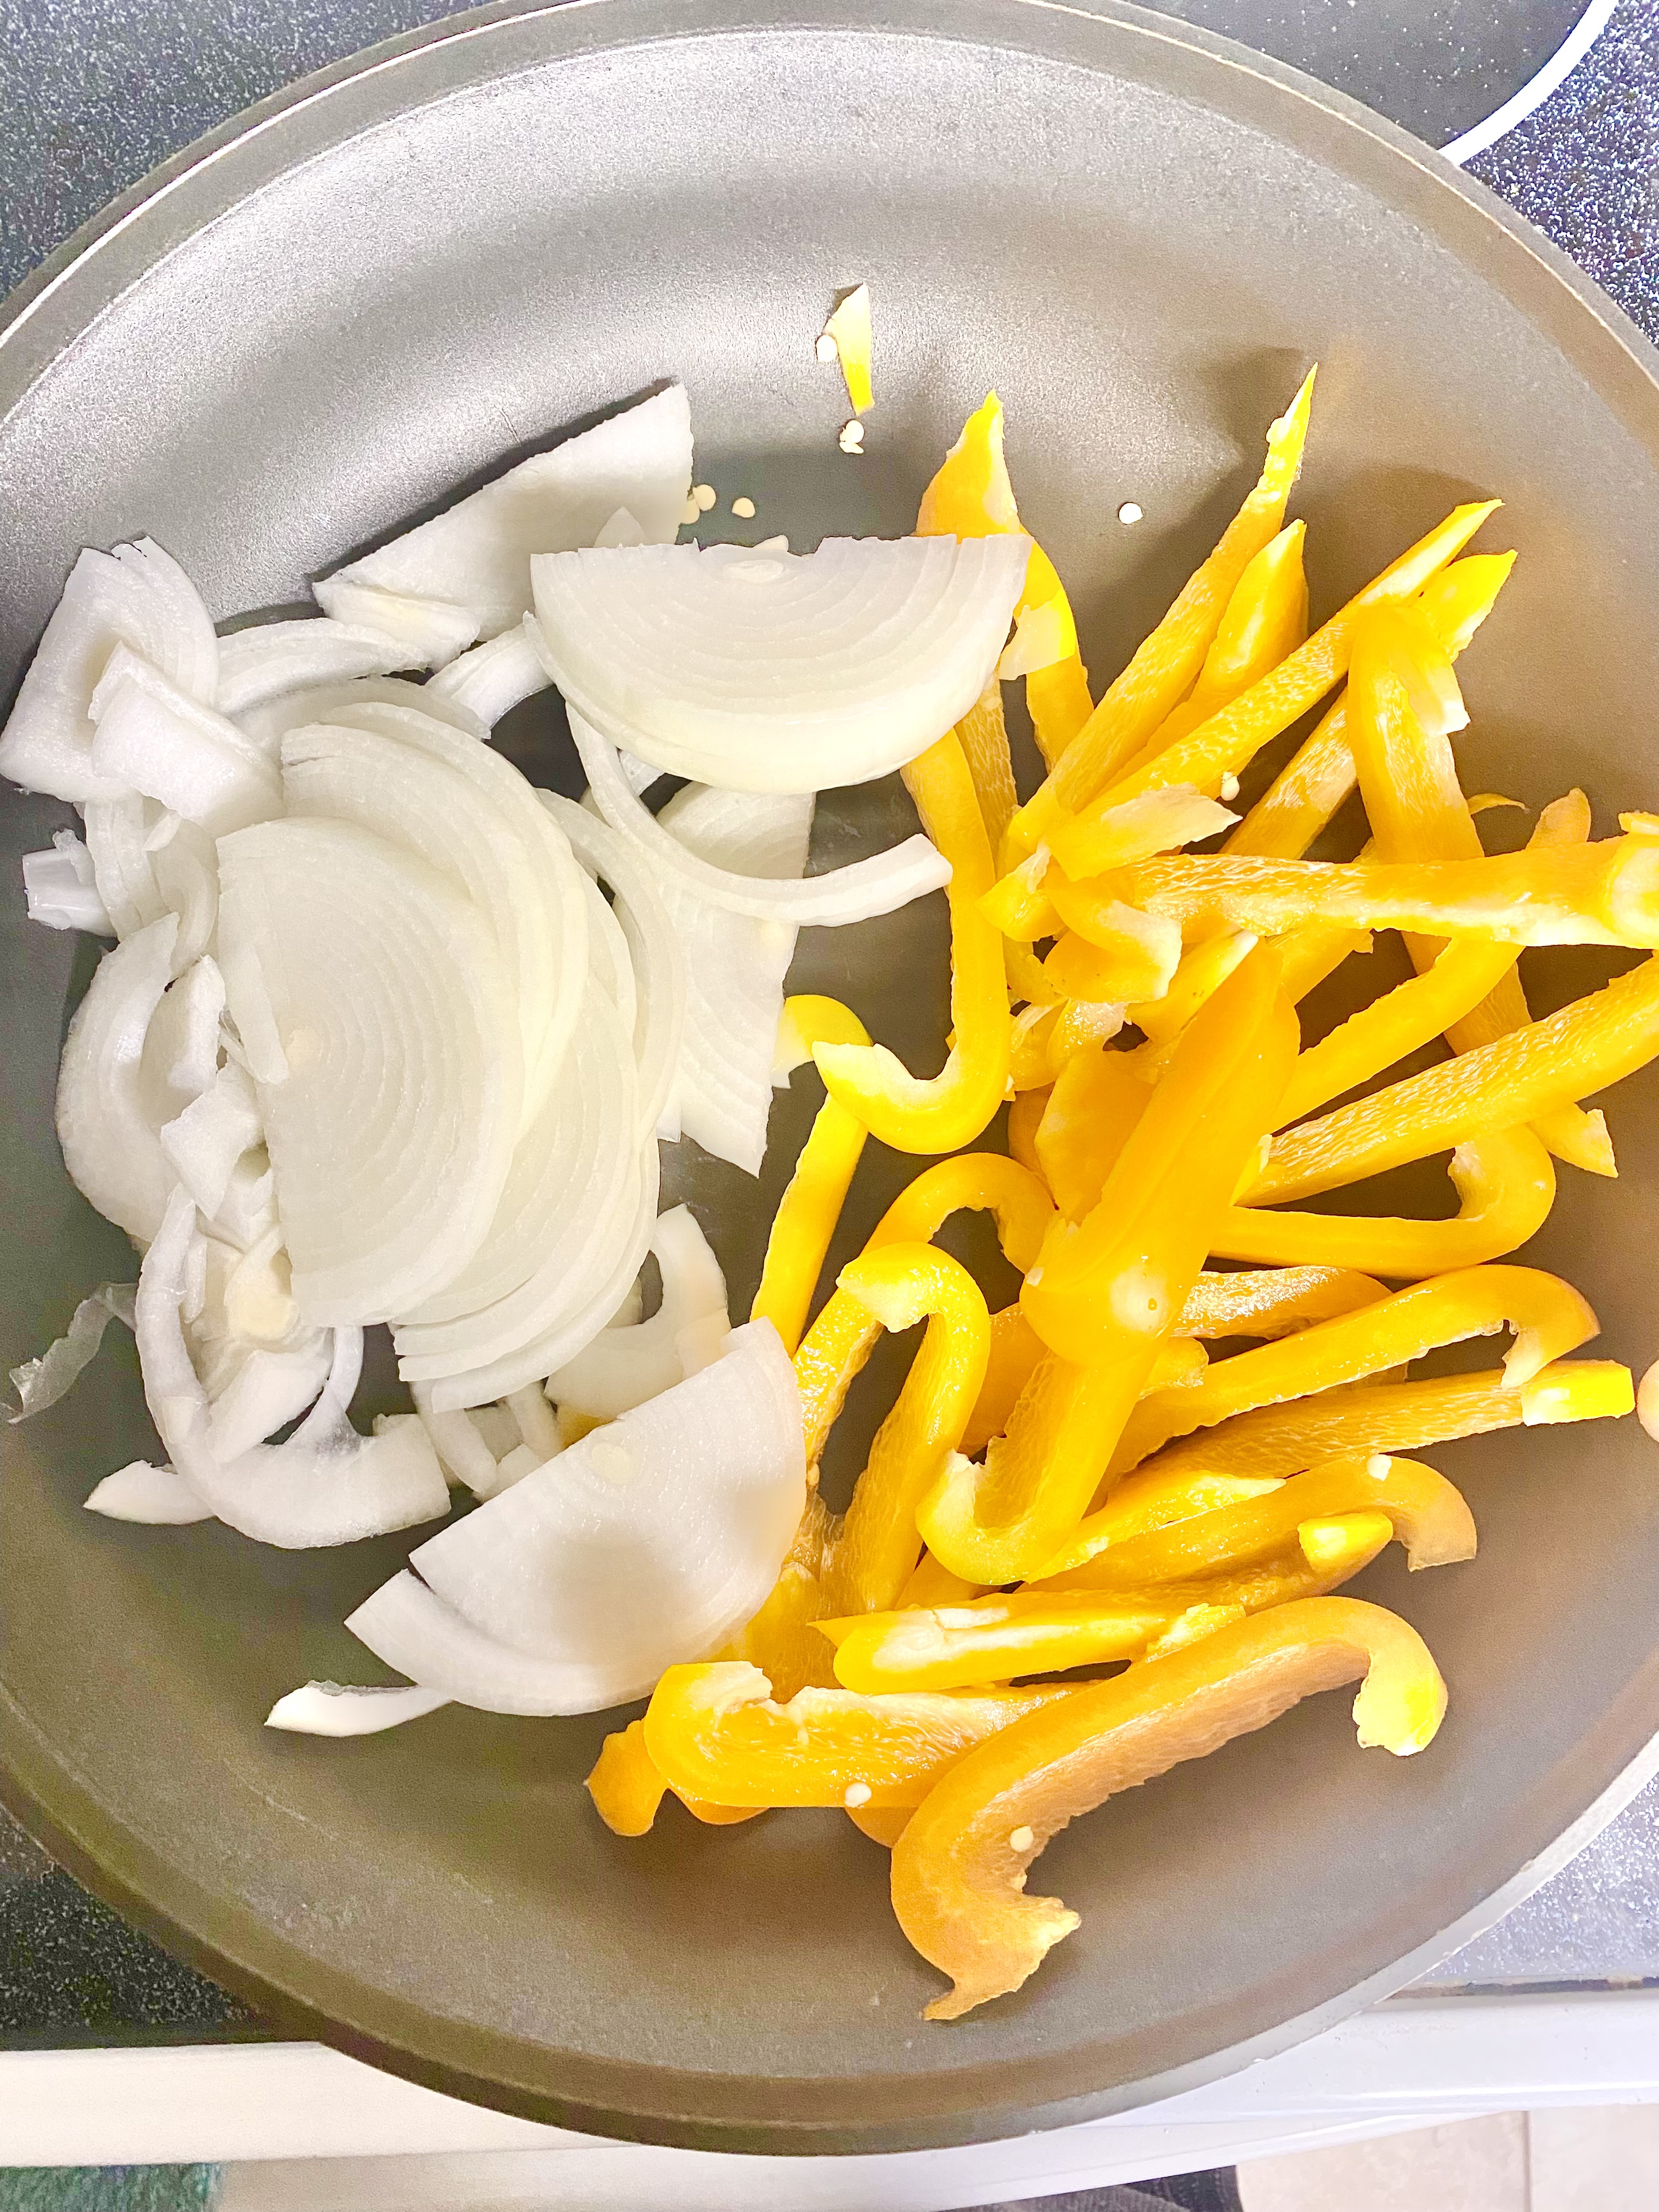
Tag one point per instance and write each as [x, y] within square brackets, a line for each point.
[477, 553]
[270, 723]
[383, 1040]
[155, 738]
[494, 677]
[650, 1540]
[260, 664]
[428, 631]
[333, 1709]
[775, 671]
[106, 1125]
[60, 887]
[154, 1497]
[624, 1366]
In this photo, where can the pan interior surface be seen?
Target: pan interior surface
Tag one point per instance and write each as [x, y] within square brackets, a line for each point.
[1140, 243]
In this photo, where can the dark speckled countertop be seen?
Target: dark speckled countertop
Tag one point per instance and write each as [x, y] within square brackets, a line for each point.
[94, 92]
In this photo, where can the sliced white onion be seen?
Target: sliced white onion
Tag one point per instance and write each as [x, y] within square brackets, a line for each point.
[658, 962]
[569, 1201]
[268, 1390]
[640, 774]
[137, 596]
[425, 632]
[538, 1424]
[879, 885]
[262, 662]
[116, 833]
[778, 672]
[415, 795]
[106, 1122]
[60, 887]
[334, 1708]
[154, 1497]
[602, 1290]
[494, 677]
[326, 1485]
[153, 737]
[391, 1136]
[624, 1366]
[649, 1542]
[181, 1051]
[321, 703]
[609, 960]
[42, 1381]
[735, 966]
[462, 1449]
[477, 553]
[247, 1211]
[204, 1142]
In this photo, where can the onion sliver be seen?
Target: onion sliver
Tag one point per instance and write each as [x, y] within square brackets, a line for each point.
[181, 1050]
[357, 966]
[121, 864]
[326, 1485]
[568, 1202]
[854, 893]
[334, 1708]
[42, 1381]
[610, 962]
[105, 1123]
[603, 1290]
[477, 553]
[415, 797]
[60, 885]
[321, 703]
[624, 1366]
[204, 1142]
[154, 1497]
[463, 1451]
[494, 677]
[155, 738]
[779, 671]
[137, 596]
[268, 1390]
[429, 632]
[261, 663]
[659, 963]
[649, 1542]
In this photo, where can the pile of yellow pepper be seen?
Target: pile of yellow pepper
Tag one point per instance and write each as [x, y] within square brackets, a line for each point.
[1070, 1481]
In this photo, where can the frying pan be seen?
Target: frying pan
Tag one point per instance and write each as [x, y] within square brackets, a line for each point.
[320, 323]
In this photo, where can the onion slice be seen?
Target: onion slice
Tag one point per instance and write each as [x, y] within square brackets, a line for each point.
[624, 1366]
[154, 1497]
[649, 1542]
[204, 1143]
[775, 671]
[155, 738]
[261, 663]
[353, 964]
[477, 553]
[60, 885]
[42, 1381]
[427, 632]
[138, 596]
[104, 1125]
[334, 1708]
[494, 677]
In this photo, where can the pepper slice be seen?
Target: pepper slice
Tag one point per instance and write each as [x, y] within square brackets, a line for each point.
[1426, 1511]
[1271, 1302]
[628, 1789]
[1506, 1187]
[1025, 1113]
[713, 1731]
[940, 1114]
[1280, 1440]
[1108, 1292]
[1096, 1102]
[1594, 1041]
[1124, 956]
[959, 1867]
[781, 1640]
[1165, 666]
[1045, 1628]
[1105, 837]
[809, 1208]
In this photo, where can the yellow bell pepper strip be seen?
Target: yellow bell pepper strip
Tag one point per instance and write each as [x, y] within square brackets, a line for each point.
[1605, 893]
[1079, 1024]
[1548, 1316]
[1167, 664]
[1048, 1627]
[1105, 837]
[847, 337]
[959, 1869]
[1386, 1417]
[1274, 1302]
[1025, 1113]
[882, 1824]
[983, 733]
[1016, 1349]
[874, 1552]
[811, 1208]
[971, 1182]
[781, 1640]
[1059, 703]
[933, 1584]
[1026, 981]
[1018, 903]
[1106, 1293]
[627, 1788]
[1096, 1102]
[950, 1110]
[1174, 1487]
[1266, 619]
[1427, 1513]
[1204, 968]
[1028, 1056]
[1592, 1042]
[714, 1732]
[1505, 1188]
[1125, 957]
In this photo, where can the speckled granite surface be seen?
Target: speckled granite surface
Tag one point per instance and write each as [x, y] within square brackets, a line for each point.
[93, 93]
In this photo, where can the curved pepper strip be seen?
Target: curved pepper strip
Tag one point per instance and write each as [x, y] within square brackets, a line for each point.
[933, 1584]
[1105, 1294]
[1281, 1440]
[811, 1208]
[1204, 968]
[1595, 1041]
[950, 1109]
[1126, 955]
[1097, 1100]
[781, 1640]
[1025, 1113]
[1106, 837]
[1167, 664]
[1426, 1512]
[714, 1732]
[1271, 1302]
[627, 1788]
[1548, 1316]
[1046, 1628]
[1506, 1187]
[1605, 893]
[1016, 1349]
[874, 1552]
[959, 1869]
